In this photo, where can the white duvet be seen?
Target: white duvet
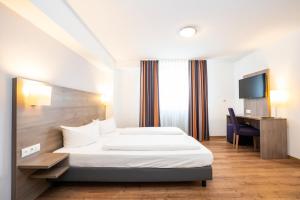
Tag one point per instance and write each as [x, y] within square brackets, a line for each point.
[151, 131]
[93, 155]
[151, 143]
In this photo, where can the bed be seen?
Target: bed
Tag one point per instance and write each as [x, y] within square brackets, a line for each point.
[140, 155]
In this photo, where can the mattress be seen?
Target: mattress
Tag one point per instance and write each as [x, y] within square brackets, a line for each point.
[93, 155]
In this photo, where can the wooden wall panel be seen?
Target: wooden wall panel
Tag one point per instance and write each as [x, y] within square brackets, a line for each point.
[259, 107]
[40, 124]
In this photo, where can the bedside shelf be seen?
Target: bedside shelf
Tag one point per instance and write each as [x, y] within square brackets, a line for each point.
[43, 161]
[51, 173]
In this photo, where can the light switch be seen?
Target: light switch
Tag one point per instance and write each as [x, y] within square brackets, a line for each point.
[248, 111]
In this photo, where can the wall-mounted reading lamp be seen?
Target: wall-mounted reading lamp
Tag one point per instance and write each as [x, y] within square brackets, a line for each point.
[36, 93]
[104, 99]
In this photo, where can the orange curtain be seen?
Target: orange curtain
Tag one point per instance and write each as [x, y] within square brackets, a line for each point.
[149, 94]
[198, 105]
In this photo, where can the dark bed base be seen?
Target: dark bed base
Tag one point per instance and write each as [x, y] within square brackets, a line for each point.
[94, 174]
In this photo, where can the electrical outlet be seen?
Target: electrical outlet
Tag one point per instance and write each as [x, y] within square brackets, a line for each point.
[30, 150]
[248, 111]
[24, 152]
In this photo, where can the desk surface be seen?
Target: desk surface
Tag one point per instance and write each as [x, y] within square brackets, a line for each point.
[249, 117]
[257, 118]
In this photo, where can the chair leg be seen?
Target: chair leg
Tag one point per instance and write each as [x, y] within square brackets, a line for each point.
[233, 142]
[237, 142]
[254, 143]
[203, 183]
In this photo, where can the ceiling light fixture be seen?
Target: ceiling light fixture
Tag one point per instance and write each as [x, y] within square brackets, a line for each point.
[188, 31]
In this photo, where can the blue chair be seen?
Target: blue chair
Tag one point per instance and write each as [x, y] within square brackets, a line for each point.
[242, 130]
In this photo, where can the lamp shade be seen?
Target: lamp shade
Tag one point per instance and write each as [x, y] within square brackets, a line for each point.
[105, 99]
[278, 96]
[36, 93]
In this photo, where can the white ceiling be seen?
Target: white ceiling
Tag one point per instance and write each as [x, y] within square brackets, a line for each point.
[122, 32]
[59, 21]
[144, 29]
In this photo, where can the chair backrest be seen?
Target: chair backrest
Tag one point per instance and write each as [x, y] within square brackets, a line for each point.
[235, 123]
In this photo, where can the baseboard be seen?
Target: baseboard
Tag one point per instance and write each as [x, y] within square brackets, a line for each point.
[217, 137]
[294, 158]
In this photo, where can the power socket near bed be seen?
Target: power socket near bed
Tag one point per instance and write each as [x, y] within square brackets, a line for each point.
[27, 151]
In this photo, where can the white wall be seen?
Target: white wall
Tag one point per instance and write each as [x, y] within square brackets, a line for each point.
[5, 135]
[220, 95]
[28, 52]
[127, 97]
[282, 58]
[220, 83]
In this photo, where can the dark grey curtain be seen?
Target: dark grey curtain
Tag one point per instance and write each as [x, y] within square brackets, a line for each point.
[198, 106]
[149, 94]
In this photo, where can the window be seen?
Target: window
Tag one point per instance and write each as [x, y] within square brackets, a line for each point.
[174, 93]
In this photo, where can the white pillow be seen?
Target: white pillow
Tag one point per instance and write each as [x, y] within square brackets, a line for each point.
[106, 126]
[80, 136]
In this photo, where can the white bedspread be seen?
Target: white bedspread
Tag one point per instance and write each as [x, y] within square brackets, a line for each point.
[151, 131]
[156, 151]
[151, 143]
[93, 155]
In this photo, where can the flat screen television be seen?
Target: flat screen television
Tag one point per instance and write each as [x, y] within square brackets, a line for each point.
[253, 87]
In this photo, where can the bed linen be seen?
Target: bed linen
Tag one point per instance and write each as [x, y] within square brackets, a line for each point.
[93, 155]
[151, 131]
[152, 143]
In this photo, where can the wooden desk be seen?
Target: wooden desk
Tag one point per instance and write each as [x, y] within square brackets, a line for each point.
[273, 135]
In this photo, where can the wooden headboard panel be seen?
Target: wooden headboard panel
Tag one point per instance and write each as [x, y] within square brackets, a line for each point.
[40, 124]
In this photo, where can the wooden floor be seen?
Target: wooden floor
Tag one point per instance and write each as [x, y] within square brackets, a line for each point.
[236, 175]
